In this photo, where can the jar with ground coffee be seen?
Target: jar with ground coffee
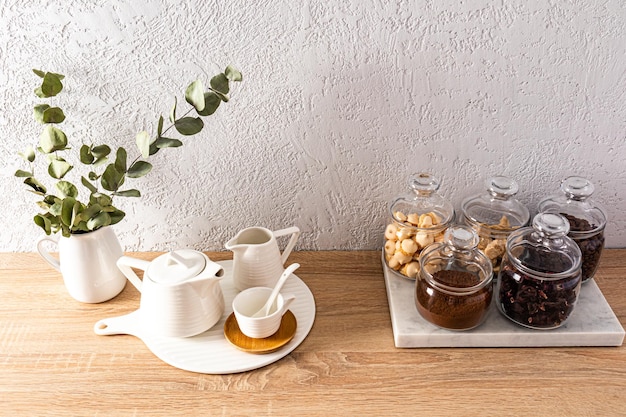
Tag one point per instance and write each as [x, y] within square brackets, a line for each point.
[540, 275]
[417, 220]
[454, 287]
[586, 219]
[494, 215]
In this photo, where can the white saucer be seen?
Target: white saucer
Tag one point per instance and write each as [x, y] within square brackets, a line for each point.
[210, 352]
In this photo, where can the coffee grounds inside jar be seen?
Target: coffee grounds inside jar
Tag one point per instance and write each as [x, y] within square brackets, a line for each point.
[590, 247]
[458, 311]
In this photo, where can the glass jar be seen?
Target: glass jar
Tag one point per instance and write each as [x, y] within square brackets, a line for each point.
[494, 215]
[540, 275]
[454, 287]
[587, 220]
[417, 220]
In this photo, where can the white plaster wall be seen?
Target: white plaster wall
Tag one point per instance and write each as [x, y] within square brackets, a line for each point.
[341, 101]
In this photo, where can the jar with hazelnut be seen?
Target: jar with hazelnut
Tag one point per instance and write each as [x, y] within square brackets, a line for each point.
[417, 221]
[494, 214]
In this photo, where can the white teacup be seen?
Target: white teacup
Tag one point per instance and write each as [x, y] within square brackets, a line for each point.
[249, 301]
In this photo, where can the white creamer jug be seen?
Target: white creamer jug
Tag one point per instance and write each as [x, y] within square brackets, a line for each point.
[257, 260]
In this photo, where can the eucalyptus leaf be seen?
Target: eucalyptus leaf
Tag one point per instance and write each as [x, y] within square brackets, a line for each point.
[56, 209]
[38, 111]
[111, 179]
[160, 126]
[168, 143]
[195, 95]
[28, 154]
[139, 169]
[88, 184]
[86, 157]
[101, 151]
[153, 148]
[233, 74]
[58, 168]
[100, 161]
[129, 193]
[67, 213]
[40, 73]
[93, 176]
[51, 85]
[223, 97]
[143, 143]
[173, 111]
[23, 174]
[53, 115]
[76, 211]
[100, 220]
[52, 139]
[67, 189]
[211, 103]
[100, 199]
[220, 83]
[35, 185]
[43, 222]
[90, 211]
[120, 160]
[116, 216]
[189, 125]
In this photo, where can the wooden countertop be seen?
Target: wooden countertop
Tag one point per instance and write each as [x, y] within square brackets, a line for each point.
[51, 362]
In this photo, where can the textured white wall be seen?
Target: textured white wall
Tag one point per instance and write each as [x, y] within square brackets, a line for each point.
[341, 101]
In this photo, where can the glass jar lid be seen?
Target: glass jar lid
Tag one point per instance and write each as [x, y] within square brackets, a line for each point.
[497, 211]
[457, 252]
[544, 249]
[576, 204]
[424, 199]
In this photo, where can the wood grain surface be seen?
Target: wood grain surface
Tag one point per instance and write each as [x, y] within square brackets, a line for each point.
[52, 364]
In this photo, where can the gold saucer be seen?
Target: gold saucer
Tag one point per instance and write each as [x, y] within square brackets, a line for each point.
[270, 344]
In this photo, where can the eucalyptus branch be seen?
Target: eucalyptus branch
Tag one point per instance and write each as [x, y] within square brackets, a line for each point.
[62, 211]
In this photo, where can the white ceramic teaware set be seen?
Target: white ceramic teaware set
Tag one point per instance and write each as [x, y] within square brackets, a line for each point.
[180, 291]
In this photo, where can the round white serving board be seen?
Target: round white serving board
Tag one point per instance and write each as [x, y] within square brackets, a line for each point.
[210, 352]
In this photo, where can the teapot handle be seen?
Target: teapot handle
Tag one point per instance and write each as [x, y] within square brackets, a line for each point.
[126, 263]
[295, 233]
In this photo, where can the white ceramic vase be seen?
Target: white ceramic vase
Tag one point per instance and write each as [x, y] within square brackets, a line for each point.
[87, 262]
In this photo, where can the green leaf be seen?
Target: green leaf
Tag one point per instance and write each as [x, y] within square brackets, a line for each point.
[93, 176]
[101, 151]
[35, 185]
[116, 216]
[40, 73]
[129, 193]
[89, 185]
[189, 125]
[143, 143]
[67, 189]
[58, 168]
[211, 103]
[154, 148]
[51, 85]
[23, 174]
[52, 139]
[90, 211]
[168, 143]
[195, 95]
[139, 169]
[120, 160]
[100, 161]
[220, 84]
[160, 126]
[67, 212]
[52, 115]
[111, 179]
[233, 73]
[43, 222]
[56, 209]
[39, 110]
[173, 111]
[100, 199]
[100, 220]
[86, 157]
[28, 154]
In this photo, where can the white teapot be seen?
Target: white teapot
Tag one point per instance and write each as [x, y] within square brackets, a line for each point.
[180, 292]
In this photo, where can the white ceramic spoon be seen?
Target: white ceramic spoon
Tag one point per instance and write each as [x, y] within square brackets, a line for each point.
[265, 310]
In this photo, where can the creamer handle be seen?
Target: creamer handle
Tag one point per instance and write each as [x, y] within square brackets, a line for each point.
[44, 252]
[295, 234]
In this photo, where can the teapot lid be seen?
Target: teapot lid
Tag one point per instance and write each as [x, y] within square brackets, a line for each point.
[176, 266]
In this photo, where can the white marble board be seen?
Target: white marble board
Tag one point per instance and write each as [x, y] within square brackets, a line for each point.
[592, 323]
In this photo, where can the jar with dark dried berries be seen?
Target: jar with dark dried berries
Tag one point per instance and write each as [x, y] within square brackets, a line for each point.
[540, 276]
[586, 218]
